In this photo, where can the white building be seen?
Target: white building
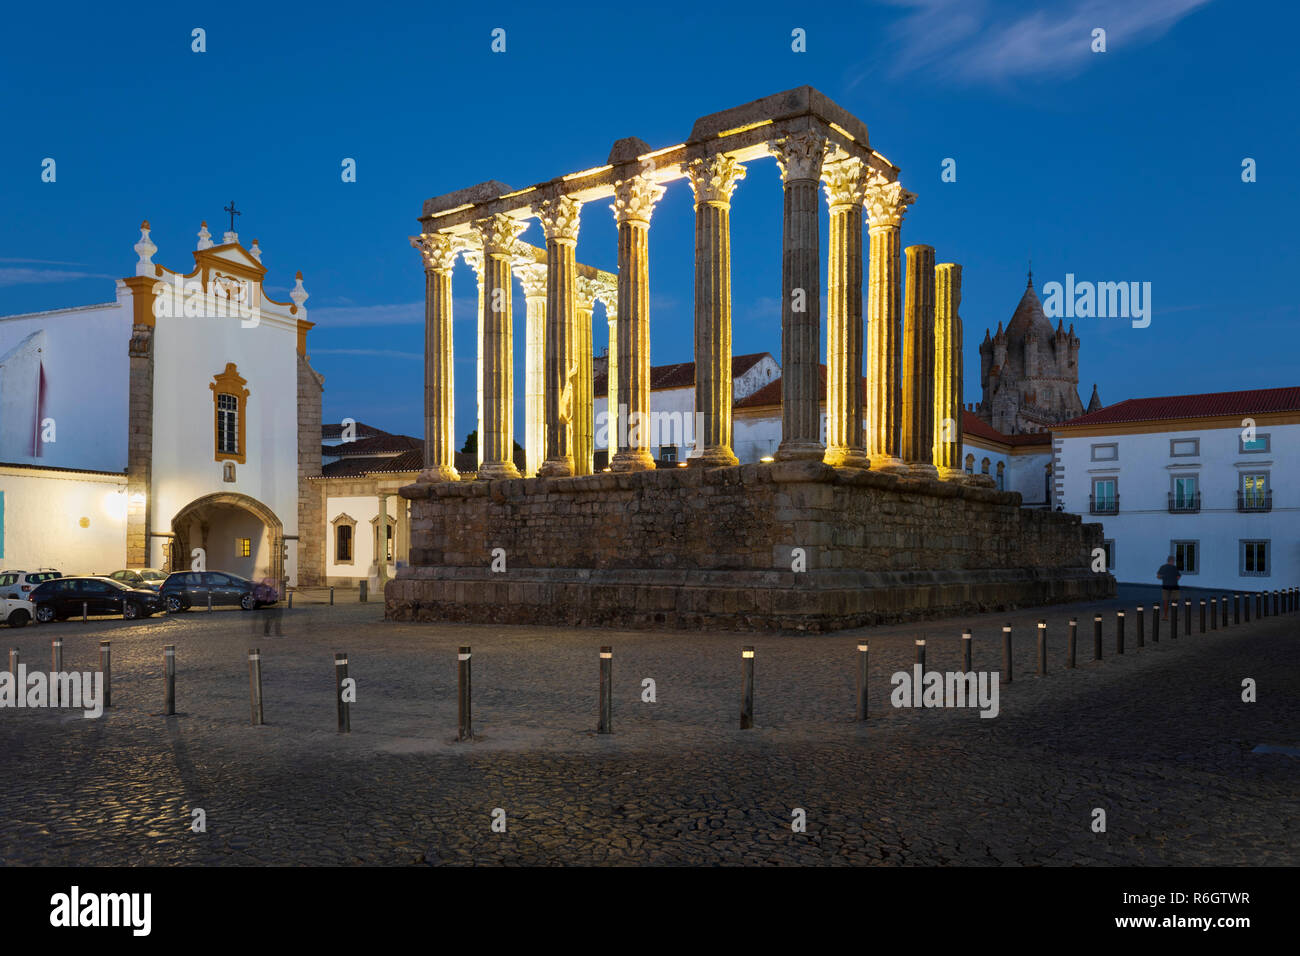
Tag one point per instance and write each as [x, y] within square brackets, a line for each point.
[170, 424]
[1206, 478]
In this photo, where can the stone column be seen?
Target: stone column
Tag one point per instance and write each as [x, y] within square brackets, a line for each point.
[584, 417]
[439, 253]
[885, 204]
[947, 372]
[532, 276]
[609, 297]
[713, 179]
[845, 184]
[474, 257]
[559, 218]
[800, 155]
[634, 201]
[497, 439]
[918, 363]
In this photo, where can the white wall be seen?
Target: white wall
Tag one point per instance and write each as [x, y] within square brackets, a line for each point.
[43, 512]
[1144, 528]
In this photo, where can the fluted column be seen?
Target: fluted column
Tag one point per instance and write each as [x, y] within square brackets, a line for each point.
[947, 371]
[634, 201]
[532, 276]
[845, 184]
[559, 218]
[800, 155]
[474, 257]
[713, 179]
[918, 363]
[611, 375]
[584, 417]
[497, 439]
[439, 253]
[885, 204]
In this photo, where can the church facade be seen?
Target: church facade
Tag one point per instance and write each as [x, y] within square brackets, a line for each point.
[171, 428]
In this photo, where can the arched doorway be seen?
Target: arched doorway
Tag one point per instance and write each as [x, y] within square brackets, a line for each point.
[238, 534]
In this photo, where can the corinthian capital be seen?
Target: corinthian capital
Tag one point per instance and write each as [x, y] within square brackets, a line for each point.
[532, 277]
[886, 202]
[606, 290]
[635, 198]
[586, 291]
[438, 249]
[713, 178]
[499, 233]
[559, 218]
[845, 183]
[800, 154]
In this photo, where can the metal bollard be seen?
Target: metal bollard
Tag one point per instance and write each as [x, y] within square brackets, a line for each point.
[340, 677]
[1275, 603]
[464, 727]
[1223, 611]
[13, 669]
[331, 595]
[363, 589]
[1214, 614]
[1187, 618]
[56, 668]
[606, 725]
[1042, 648]
[863, 653]
[965, 651]
[255, 684]
[1071, 643]
[1236, 609]
[920, 655]
[169, 670]
[290, 593]
[1142, 627]
[1096, 637]
[84, 616]
[1119, 632]
[1006, 654]
[1202, 615]
[1155, 624]
[1245, 607]
[747, 687]
[106, 666]
[209, 590]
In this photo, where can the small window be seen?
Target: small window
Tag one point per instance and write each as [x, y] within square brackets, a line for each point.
[227, 471]
[1106, 452]
[1186, 556]
[227, 424]
[984, 467]
[243, 547]
[1108, 545]
[1258, 444]
[1002, 477]
[1184, 447]
[343, 543]
[970, 464]
[1255, 559]
[668, 453]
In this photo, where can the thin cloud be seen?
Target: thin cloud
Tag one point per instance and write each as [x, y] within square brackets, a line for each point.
[978, 41]
[10, 276]
[373, 353]
[403, 313]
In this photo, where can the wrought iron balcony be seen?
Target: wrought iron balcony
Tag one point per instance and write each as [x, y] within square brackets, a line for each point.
[1106, 505]
[1255, 500]
[1184, 503]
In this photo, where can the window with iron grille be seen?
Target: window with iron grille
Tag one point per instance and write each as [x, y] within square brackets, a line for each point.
[1255, 558]
[227, 424]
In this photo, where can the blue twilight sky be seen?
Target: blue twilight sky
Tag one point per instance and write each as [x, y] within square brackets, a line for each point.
[1117, 166]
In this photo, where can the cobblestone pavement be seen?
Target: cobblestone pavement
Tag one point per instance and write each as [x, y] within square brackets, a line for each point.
[1160, 739]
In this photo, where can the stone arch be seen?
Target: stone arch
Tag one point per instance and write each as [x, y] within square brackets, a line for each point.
[217, 510]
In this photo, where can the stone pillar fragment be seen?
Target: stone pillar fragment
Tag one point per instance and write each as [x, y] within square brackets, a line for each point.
[584, 433]
[947, 372]
[713, 179]
[885, 204]
[634, 201]
[532, 276]
[439, 253]
[474, 258]
[918, 363]
[845, 184]
[799, 155]
[559, 218]
[496, 347]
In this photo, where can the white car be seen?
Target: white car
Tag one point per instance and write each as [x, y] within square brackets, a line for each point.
[20, 584]
[15, 612]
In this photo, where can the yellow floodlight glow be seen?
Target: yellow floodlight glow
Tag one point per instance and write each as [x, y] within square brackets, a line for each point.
[745, 128]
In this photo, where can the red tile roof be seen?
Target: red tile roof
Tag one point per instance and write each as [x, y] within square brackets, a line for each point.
[412, 460]
[1208, 405]
[375, 445]
[972, 424]
[770, 394]
[681, 375]
[333, 432]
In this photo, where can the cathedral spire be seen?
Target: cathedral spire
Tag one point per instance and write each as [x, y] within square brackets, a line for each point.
[1094, 403]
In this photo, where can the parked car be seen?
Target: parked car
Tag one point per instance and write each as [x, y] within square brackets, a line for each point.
[16, 612]
[140, 578]
[185, 589]
[62, 598]
[20, 584]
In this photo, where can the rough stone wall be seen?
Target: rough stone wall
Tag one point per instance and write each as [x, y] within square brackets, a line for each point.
[714, 547]
[311, 494]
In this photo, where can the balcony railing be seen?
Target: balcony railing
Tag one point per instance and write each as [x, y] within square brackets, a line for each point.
[1184, 503]
[1255, 500]
[1106, 505]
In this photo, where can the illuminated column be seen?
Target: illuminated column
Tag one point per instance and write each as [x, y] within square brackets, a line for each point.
[947, 372]
[439, 253]
[474, 257]
[584, 432]
[497, 439]
[885, 204]
[712, 181]
[532, 276]
[559, 218]
[845, 184]
[634, 201]
[800, 155]
[609, 298]
[918, 363]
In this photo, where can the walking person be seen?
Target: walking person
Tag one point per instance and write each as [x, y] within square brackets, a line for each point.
[1168, 575]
